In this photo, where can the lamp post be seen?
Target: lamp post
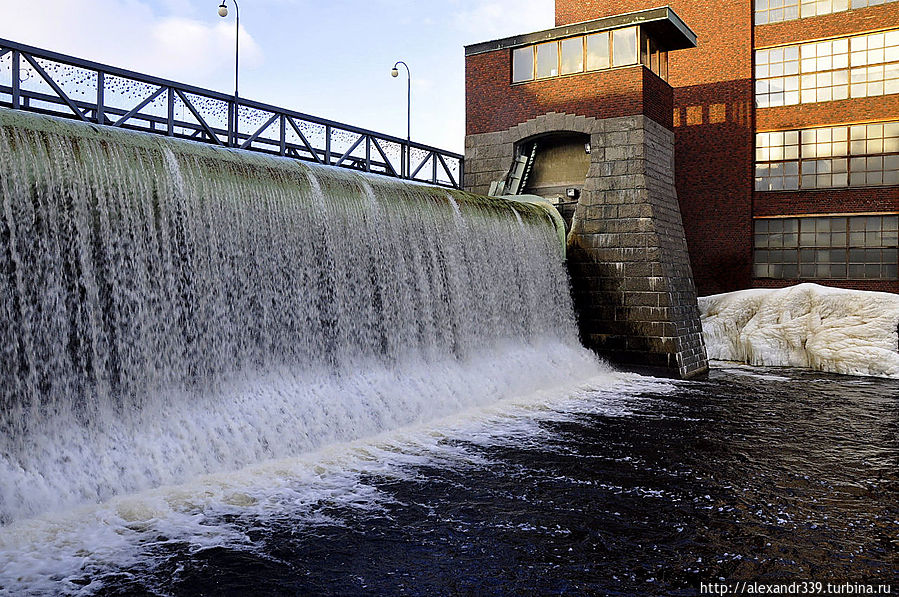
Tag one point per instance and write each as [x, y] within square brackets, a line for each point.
[395, 73]
[223, 12]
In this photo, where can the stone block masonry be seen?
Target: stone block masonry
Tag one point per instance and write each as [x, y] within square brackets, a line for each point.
[630, 271]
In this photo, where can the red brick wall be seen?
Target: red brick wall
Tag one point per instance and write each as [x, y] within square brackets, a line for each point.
[658, 99]
[824, 201]
[713, 119]
[833, 25]
[493, 104]
[874, 285]
[848, 111]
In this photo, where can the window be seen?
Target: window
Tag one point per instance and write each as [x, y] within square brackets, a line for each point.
[772, 11]
[861, 155]
[777, 77]
[522, 64]
[547, 60]
[574, 55]
[777, 161]
[652, 58]
[860, 66]
[624, 46]
[599, 54]
[843, 247]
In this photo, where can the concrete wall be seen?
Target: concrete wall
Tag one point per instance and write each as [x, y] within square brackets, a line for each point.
[631, 277]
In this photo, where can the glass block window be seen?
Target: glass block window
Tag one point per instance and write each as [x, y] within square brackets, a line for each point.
[773, 11]
[860, 155]
[860, 66]
[585, 53]
[842, 247]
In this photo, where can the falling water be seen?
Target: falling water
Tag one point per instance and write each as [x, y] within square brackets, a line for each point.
[169, 309]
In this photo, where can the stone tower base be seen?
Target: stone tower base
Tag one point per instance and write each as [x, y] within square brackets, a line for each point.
[630, 272]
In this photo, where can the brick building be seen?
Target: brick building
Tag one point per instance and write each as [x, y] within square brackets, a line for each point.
[785, 117]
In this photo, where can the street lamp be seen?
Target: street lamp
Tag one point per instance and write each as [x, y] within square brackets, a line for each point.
[395, 73]
[223, 12]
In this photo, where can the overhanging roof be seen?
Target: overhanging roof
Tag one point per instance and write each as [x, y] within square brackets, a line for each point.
[662, 24]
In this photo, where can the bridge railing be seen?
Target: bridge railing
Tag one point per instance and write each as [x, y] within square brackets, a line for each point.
[47, 82]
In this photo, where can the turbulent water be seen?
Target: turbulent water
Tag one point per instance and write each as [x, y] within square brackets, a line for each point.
[169, 309]
[231, 374]
[625, 486]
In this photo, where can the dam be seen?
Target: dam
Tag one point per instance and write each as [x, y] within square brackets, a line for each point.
[143, 275]
[301, 370]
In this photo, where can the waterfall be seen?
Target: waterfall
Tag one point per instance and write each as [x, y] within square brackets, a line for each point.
[169, 308]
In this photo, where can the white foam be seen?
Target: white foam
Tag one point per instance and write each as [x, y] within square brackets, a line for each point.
[47, 554]
[827, 329]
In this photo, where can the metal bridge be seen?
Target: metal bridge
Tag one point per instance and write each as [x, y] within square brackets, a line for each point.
[47, 82]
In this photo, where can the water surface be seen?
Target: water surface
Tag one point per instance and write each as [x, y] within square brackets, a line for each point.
[641, 487]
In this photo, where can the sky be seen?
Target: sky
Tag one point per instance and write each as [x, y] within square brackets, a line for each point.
[330, 59]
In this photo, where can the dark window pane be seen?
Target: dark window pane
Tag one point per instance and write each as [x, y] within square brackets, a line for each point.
[872, 239]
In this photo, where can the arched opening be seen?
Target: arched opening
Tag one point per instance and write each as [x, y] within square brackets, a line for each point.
[557, 165]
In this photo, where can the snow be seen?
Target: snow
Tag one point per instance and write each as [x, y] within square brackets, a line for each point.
[852, 332]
